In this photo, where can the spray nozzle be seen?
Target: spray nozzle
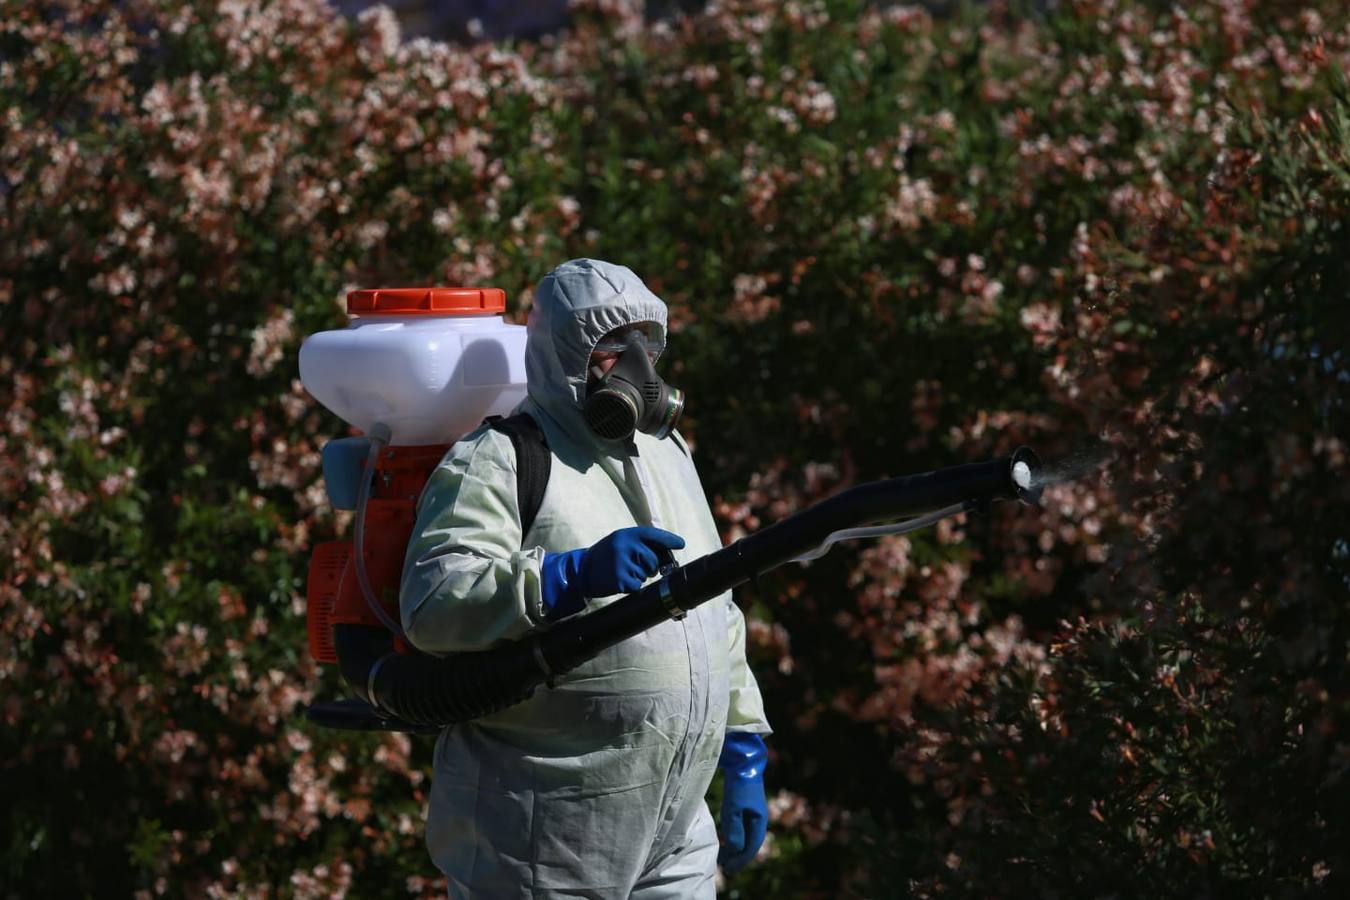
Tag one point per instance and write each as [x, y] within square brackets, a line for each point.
[1026, 476]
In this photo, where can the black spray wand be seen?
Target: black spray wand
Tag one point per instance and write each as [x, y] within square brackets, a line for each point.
[421, 693]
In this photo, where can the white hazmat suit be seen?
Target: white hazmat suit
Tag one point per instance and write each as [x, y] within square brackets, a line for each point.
[595, 787]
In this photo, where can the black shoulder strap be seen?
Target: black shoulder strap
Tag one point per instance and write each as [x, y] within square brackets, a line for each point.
[534, 462]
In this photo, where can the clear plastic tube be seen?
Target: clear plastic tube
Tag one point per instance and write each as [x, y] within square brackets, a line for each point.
[379, 438]
[870, 531]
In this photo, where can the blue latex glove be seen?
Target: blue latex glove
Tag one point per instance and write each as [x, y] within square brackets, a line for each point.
[616, 564]
[745, 814]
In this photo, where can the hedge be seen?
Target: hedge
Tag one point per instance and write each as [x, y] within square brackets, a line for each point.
[1115, 231]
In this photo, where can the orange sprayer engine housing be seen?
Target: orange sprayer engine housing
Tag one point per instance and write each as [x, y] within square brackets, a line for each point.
[333, 594]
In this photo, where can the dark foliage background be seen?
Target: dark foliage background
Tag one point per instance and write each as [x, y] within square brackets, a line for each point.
[1114, 231]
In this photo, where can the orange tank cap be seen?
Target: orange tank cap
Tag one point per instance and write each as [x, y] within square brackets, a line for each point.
[435, 301]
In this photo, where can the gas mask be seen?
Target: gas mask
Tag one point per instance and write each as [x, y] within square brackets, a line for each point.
[632, 397]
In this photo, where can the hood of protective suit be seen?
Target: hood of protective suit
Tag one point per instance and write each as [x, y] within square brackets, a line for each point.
[576, 305]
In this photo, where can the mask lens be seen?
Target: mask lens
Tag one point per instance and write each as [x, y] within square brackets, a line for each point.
[617, 342]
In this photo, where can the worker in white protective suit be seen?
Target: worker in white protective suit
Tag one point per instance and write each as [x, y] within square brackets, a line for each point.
[593, 787]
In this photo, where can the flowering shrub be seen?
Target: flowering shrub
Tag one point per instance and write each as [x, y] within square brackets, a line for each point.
[890, 242]
[189, 188]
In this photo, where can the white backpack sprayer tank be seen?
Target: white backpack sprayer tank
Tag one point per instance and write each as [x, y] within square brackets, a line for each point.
[415, 370]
